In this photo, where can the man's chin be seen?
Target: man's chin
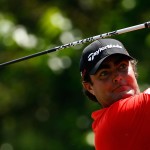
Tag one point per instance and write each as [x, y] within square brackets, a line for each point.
[127, 94]
[124, 94]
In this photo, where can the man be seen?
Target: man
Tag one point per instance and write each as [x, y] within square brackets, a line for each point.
[109, 77]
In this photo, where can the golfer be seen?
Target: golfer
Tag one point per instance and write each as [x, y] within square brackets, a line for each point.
[109, 77]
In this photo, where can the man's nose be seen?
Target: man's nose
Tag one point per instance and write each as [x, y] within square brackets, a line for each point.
[117, 78]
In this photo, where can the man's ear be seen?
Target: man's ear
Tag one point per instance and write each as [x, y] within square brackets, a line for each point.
[88, 86]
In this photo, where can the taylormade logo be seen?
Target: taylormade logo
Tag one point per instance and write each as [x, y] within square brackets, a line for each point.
[92, 55]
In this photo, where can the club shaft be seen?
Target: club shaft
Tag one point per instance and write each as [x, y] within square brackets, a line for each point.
[90, 39]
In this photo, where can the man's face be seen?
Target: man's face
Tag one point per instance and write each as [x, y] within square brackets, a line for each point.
[114, 80]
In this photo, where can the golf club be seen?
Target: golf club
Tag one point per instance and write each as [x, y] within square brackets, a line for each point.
[90, 39]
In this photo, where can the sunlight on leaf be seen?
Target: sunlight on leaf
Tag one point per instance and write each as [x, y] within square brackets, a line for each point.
[129, 4]
[24, 39]
[90, 138]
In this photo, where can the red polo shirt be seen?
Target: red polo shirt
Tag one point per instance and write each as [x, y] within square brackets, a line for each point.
[125, 125]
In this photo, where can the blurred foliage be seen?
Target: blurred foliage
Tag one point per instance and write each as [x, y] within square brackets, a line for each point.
[42, 106]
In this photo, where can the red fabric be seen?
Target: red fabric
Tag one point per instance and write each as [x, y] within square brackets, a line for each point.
[125, 125]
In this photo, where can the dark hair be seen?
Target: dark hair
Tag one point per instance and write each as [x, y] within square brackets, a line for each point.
[88, 79]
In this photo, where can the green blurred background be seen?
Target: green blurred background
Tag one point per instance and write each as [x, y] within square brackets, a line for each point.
[42, 106]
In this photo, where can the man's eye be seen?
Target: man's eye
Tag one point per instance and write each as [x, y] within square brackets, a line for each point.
[123, 66]
[104, 73]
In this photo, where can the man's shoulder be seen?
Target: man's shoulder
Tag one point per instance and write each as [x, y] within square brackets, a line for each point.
[136, 101]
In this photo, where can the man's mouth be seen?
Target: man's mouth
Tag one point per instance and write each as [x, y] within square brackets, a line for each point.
[121, 88]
